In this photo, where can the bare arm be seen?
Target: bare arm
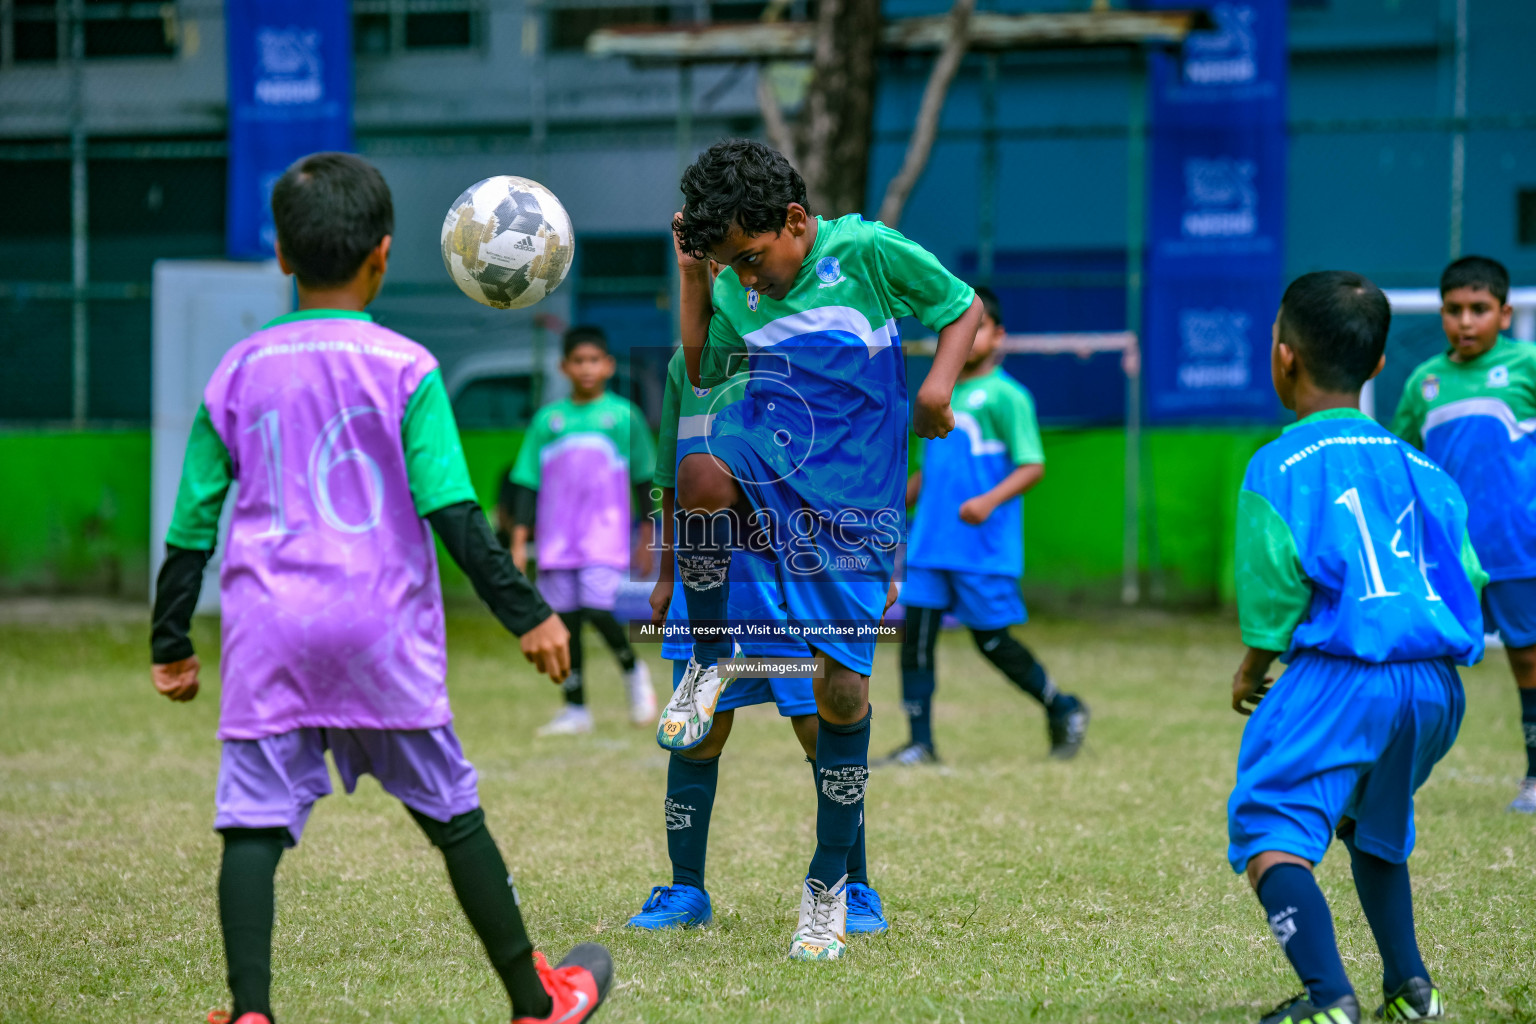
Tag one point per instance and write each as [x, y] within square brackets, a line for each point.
[695, 307]
[1252, 682]
[977, 509]
[932, 416]
[914, 487]
[661, 593]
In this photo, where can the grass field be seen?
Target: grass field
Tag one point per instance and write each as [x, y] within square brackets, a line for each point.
[1018, 888]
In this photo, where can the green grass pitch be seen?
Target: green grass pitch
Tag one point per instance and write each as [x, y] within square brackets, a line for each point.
[1018, 888]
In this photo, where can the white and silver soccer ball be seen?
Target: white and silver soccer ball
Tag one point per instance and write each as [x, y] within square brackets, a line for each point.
[507, 242]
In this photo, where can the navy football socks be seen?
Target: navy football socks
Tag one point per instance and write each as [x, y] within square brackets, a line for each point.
[572, 689]
[1528, 720]
[1387, 899]
[842, 771]
[613, 635]
[690, 800]
[1302, 924]
[703, 550]
[1015, 661]
[858, 867]
[917, 674]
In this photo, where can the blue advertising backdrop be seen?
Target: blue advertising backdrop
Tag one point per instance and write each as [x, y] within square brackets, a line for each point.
[290, 93]
[1215, 250]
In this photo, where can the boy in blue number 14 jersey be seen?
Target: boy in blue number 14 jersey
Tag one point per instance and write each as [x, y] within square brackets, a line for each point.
[966, 549]
[1353, 559]
[1473, 410]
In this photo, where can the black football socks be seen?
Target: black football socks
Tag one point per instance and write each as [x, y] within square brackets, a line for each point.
[1387, 899]
[1528, 720]
[917, 673]
[689, 803]
[247, 900]
[703, 550]
[572, 689]
[485, 891]
[842, 771]
[613, 634]
[1302, 924]
[1015, 661]
[858, 866]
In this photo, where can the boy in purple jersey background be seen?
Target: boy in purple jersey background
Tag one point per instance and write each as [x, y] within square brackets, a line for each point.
[582, 482]
[341, 437]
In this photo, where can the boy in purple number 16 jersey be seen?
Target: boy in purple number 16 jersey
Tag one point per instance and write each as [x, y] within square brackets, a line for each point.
[341, 437]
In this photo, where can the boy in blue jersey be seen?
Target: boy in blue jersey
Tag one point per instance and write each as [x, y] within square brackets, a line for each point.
[808, 470]
[1473, 410]
[755, 599]
[1353, 558]
[966, 549]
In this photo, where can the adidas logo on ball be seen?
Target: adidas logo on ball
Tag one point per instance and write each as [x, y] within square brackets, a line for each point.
[525, 243]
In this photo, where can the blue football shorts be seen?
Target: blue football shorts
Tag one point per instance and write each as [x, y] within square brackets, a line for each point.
[1337, 738]
[848, 596]
[791, 696]
[980, 600]
[1509, 609]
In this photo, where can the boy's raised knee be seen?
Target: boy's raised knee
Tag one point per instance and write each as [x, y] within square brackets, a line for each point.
[705, 484]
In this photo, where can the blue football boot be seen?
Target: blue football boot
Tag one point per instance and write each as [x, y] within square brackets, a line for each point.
[674, 906]
[865, 913]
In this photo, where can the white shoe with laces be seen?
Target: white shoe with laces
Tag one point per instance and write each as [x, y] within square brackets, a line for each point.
[642, 697]
[823, 930]
[690, 714]
[1525, 802]
[573, 720]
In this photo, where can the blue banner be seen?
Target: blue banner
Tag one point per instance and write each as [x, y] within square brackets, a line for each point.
[1215, 246]
[290, 93]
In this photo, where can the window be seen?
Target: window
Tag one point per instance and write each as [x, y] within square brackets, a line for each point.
[38, 30]
[1525, 216]
[569, 27]
[383, 27]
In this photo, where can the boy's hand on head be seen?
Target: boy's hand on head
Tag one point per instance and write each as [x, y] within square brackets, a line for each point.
[932, 417]
[548, 647]
[177, 679]
[685, 261]
[976, 510]
[661, 600]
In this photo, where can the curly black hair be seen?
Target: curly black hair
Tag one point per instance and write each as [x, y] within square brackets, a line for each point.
[736, 182]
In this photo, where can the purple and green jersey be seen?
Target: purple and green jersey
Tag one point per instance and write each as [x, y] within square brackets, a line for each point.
[341, 437]
[995, 433]
[582, 458]
[1477, 419]
[1352, 544]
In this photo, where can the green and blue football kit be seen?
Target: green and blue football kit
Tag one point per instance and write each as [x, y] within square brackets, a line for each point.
[1477, 419]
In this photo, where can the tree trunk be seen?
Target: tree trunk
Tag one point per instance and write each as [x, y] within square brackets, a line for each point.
[836, 126]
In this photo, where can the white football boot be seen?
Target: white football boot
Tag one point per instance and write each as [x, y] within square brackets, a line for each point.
[642, 697]
[1525, 801]
[823, 930]
[573, 720]
[690, 714]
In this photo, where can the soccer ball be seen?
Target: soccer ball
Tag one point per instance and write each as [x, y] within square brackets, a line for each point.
[507, 242]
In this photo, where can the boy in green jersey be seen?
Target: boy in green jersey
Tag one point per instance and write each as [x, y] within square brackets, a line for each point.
[1473, 410]
[589, 457]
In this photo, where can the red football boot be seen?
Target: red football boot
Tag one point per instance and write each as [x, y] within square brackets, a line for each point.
[576, 987]
[222, 1017]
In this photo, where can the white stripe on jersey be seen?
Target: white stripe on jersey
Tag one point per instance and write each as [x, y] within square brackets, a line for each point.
[1495, 408]
[822, 319]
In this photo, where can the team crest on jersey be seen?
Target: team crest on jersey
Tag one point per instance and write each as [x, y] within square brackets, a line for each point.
[1431, 388]
[701, 392]
[556, 424]
[977, 399]
[1498, 377]
[829, 270]
[607, 421]
[752, 299]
